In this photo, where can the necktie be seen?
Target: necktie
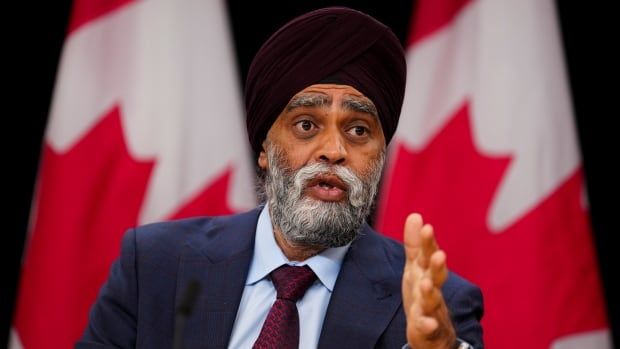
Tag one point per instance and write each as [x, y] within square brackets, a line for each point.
[281, 328]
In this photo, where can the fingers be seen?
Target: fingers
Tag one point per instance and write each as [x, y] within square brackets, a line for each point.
[411, 236]
[428, 331]
[419, 240]
[431, 297]
[418, 236]
[438, 270]
[428, 245]
[427, 326]
[426, 271]
[424, 327]
[422, 251]
[407, 292]
[428, 319]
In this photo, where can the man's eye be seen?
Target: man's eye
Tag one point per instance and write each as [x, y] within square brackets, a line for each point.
[358, 131]
[305, 125]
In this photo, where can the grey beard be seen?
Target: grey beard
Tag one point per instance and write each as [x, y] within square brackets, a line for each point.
[309, 222]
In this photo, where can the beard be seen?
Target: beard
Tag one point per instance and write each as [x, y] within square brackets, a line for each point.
[308, 222]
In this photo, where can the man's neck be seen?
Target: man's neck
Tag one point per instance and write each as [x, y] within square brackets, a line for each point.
[295, 253]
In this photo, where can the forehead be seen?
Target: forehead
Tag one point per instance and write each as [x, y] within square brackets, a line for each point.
[320, 95]
[323, 95]
[331, 89]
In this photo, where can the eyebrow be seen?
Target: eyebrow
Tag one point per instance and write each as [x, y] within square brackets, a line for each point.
[311, 100]
[360, 105]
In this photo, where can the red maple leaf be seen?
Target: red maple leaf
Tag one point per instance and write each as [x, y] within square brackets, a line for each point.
[539, 276]
[88, 197]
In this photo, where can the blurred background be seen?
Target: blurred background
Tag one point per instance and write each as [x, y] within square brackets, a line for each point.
[587, 40]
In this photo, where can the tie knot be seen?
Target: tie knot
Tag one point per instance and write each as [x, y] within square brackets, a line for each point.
[292, 282]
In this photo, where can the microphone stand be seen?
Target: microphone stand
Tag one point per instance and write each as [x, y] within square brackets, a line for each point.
[184, 310]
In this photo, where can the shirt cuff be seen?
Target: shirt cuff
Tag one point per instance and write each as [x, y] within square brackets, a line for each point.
[459, 344]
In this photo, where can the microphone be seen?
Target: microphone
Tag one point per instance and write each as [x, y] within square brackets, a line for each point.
[184, 310]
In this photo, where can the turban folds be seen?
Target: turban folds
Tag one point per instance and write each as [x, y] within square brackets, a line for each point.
[334, 44]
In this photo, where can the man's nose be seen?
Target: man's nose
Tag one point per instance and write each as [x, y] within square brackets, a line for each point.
[332, 148]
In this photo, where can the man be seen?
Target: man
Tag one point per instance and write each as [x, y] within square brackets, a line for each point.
[323, 97]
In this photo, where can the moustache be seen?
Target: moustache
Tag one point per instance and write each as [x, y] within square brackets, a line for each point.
[330, 176]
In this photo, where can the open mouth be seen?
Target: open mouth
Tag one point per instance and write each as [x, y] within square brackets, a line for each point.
[327, 182]
[327, 188]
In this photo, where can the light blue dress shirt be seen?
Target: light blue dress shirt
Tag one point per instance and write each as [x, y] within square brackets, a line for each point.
[259, 293]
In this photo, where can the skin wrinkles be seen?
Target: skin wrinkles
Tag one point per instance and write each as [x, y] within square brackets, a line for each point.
[317, 100]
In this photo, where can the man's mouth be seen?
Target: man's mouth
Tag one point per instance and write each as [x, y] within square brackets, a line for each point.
[327, 188]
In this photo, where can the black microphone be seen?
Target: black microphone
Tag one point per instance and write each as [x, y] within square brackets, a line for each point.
[184, 310]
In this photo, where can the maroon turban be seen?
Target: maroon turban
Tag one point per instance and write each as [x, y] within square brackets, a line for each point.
[334, 44]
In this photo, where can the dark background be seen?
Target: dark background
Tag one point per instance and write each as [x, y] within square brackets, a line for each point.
[33, 41]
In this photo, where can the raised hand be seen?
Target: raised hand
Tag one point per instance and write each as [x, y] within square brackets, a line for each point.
[428, 321]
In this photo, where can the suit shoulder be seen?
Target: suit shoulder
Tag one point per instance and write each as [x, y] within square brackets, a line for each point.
[456, 281]
[171, 231]
[393, 249]
[174, 234]
[457, 287]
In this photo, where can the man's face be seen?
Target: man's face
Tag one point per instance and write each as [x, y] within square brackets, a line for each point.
[323, 157]
[328, 123]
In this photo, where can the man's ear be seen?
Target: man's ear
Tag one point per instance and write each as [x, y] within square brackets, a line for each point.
[262, 158]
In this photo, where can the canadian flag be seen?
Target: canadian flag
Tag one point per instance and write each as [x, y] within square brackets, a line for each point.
[486, 151]
[146, 124]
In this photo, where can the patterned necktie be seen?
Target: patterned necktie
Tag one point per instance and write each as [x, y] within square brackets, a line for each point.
[281, 328]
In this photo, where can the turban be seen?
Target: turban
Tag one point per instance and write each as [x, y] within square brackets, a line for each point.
[335, 45]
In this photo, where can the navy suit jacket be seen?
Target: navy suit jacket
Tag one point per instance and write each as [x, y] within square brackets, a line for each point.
[136, 306]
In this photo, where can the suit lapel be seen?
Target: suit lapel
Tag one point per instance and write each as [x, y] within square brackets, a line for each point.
[365, 298]
[219, 260]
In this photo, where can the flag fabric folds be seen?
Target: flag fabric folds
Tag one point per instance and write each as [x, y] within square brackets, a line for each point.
[486, 151]
[146, 124]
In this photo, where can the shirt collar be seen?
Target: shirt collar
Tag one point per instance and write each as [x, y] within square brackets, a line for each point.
[268, 256]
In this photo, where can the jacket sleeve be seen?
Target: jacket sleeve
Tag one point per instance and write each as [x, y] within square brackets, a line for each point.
[112, 319]
[466, 308]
